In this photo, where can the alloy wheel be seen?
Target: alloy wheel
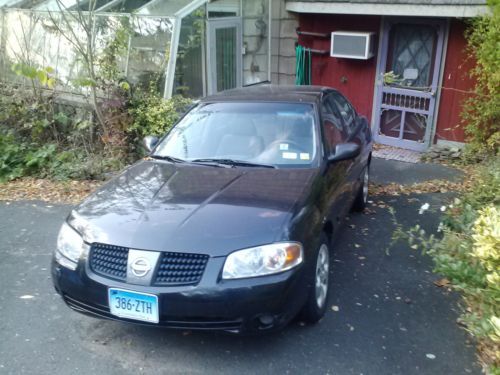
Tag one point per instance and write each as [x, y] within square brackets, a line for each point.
[366, 180]
[322, 269]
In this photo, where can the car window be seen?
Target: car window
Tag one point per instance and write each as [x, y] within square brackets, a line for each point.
[332, 124]
[281, 134]
[346, 110]
[329, 109]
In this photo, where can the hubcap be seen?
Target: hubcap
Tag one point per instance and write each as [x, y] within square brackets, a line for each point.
[322, 266]
[366, 179]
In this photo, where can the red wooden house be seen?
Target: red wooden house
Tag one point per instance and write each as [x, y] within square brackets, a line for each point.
[403, 64]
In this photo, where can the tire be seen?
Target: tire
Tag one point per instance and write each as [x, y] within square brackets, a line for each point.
[362, 197]
[317, 300]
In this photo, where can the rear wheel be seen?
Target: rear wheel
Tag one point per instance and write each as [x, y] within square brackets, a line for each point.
[362, 197]
[317, 300]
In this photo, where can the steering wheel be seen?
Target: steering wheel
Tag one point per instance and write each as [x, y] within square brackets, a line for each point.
[289, 142]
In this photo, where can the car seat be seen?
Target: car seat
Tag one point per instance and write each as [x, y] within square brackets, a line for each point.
[241, 140]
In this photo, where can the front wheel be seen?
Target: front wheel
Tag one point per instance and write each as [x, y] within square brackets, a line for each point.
[316, 303]
[362, 196]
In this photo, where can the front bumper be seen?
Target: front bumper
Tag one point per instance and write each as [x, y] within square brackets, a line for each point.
[244, 305]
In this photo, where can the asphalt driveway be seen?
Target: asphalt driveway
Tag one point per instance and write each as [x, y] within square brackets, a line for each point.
[386, 315]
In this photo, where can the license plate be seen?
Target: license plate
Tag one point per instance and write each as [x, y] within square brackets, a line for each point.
[133, 305]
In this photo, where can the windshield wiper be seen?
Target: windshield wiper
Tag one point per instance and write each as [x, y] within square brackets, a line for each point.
[169, 158]
[240, 163]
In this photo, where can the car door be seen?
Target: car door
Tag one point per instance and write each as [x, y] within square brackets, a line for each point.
[336, 173]
[355, 128]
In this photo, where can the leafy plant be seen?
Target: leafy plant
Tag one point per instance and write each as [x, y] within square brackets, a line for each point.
[481, 112]
[154, 115]
[41, 77]
[390, 78]
[468, 254]
[19, 159]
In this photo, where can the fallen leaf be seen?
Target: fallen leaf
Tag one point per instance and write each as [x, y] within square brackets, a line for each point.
[47, 190]
[442, 282]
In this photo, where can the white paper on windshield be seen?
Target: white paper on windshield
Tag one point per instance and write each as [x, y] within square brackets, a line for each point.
[283, 146]
[289, 155]
[304, 156]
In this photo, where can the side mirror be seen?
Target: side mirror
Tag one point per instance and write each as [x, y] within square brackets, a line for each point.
[345, 151]
[149, 142]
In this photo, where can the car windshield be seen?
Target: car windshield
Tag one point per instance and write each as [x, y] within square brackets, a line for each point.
[277, 134]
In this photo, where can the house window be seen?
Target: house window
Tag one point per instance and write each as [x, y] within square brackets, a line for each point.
[223, 8]
[412, 48]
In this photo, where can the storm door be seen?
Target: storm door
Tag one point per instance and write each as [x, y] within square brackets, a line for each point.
[224, 54]
[406, 88]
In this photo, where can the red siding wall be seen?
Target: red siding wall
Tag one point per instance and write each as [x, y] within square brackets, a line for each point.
[455, 77]
[354, 78]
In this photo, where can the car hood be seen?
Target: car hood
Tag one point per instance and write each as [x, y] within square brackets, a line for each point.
[157, 205]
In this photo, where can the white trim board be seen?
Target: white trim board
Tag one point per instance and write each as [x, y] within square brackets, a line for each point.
[419, 10]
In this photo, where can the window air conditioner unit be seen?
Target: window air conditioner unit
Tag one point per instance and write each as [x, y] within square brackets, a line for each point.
[352, 45]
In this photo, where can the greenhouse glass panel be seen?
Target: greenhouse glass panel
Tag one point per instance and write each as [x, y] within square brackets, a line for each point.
[71, 5]
[149, 50]
[124, 6]
[32, 41]
[111, 41]
[163, 7]
[70, 65]
[189, 78]
[13, 49]
[10, 3]
[44, 41]
[89, 6]
[56, 5]
[2, 45]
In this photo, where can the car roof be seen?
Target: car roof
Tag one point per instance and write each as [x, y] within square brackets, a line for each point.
[270, 93]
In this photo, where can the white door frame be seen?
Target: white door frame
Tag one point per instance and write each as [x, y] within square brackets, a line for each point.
[212, 26]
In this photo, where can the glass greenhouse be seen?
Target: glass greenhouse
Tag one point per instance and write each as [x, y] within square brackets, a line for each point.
[193, 47]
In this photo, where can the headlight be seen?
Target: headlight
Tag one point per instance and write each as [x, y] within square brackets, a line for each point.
[262, 260]
[70, 246]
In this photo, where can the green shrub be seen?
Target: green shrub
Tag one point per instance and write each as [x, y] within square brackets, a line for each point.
[18, 159]
[486, 244]
[481, 113]
[153, 115]
[11, 158]
[76, 165]
[468, 254]
[41, 137]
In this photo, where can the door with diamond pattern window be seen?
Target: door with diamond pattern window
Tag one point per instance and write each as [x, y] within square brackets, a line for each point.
[407, 85]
